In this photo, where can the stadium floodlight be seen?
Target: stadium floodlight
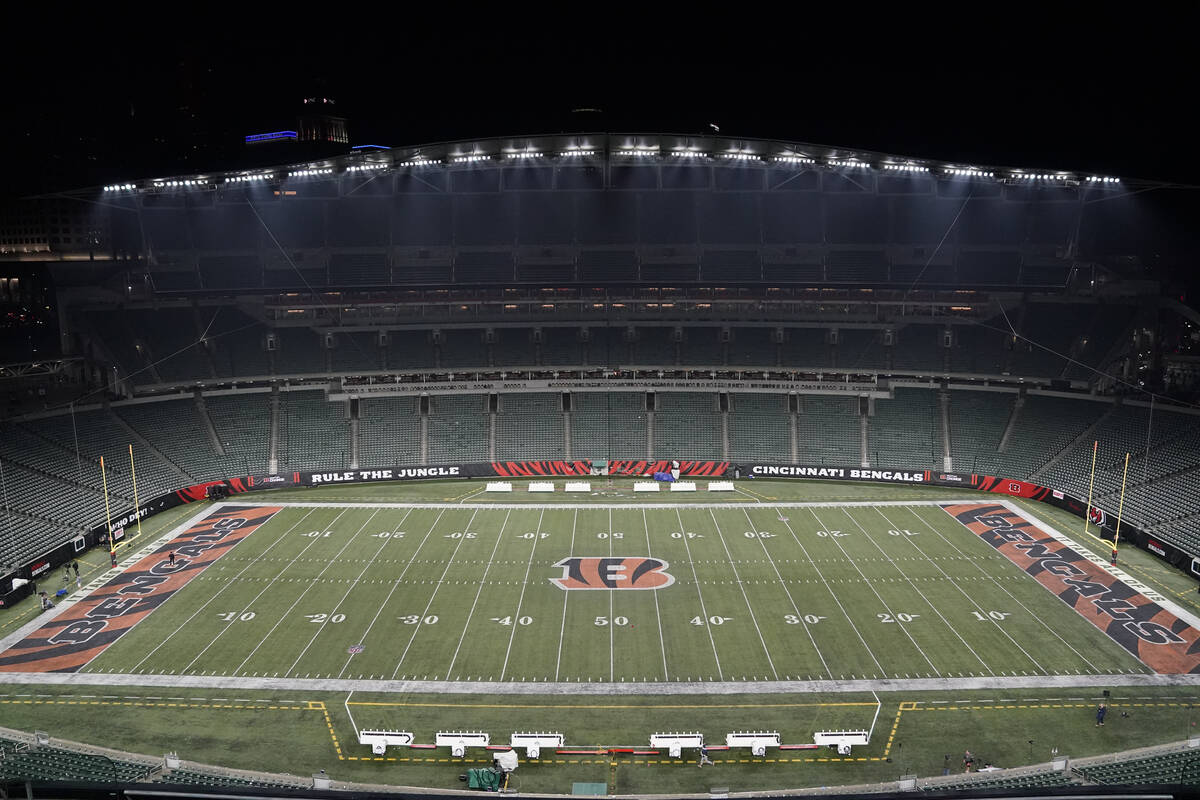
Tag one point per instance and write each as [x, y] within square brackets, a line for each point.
[571, 152]
[469, 159]
[740, 156]
[523, 154]
[833, 162]
[795, 159]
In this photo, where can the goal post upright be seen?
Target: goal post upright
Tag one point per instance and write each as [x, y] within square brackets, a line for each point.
[137, 506]
[1087, 518]
[112, 554]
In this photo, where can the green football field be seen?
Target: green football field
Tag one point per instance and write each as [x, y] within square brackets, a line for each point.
[653, 592]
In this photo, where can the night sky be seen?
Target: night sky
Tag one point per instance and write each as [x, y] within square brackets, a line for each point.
[86, 113]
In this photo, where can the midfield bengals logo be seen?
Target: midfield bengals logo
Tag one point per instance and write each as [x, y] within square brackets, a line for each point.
[616, 572]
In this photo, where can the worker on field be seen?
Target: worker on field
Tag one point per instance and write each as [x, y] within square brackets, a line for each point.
[704, 759]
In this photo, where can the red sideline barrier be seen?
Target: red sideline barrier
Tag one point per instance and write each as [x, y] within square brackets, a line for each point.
[645, 752]
[497, 747]
[581, 752]
[423, 746]
[718, 747]
[797, 746]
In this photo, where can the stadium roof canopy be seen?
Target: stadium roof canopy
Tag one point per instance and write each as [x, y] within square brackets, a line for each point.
[618, 148]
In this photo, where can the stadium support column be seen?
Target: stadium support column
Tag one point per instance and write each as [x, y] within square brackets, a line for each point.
[944, 405]
[865, 410]
[725, 432]
[649, 427]
[353, 412]
[793, 425]
[273, 455]
[424, 430]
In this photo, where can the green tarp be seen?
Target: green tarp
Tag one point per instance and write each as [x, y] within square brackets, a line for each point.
[483, 778]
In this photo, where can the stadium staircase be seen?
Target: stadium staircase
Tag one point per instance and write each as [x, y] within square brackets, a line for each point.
[1083, 438]
[147, 446]
[206, 421]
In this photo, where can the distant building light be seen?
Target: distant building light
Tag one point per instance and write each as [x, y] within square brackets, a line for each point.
[273, 136]
[373, 146]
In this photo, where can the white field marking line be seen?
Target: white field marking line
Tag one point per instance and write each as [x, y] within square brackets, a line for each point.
[788, 592]
[1029, 519]
[1001, 587]
[562, 628]
[874, 591]
[521, 599]
[219, 592]
[421, 620]
[745, 597]
[478, 592]
[657, 612]
[611, 655]
[1147, 591]
[337, 606]
[246, 607]
[874, 719]
[964, 593]
[311, 584]
[1061, 683]
[353, 725]
[747, 494]
[472, 494]
[917, 589]
[395, 584]
[601, 506]
[699, 594]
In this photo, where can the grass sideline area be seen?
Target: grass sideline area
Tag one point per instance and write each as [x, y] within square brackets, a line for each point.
[295, 731]
[300, 733]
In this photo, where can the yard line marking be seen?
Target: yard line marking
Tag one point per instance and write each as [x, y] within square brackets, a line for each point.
[742, 589]
[917, 589]
[964, 593]
[232, 581]
[828, 588]
[321, 627]
[611, 625]
[657, 613]
[874, 591]
[478, 592]
[433, 596]
[699, 594]
[516, 617]
[788, 592]
[245, 608]
[562, 628]
[999, 585]
[296, 602]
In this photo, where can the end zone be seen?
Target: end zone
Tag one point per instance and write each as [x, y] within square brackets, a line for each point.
[79, 634]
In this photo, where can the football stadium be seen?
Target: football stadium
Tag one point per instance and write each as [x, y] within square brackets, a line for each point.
[616, 464]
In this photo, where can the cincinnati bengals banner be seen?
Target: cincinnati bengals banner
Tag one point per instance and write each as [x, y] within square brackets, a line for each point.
[1161, 640]
[75, 637]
